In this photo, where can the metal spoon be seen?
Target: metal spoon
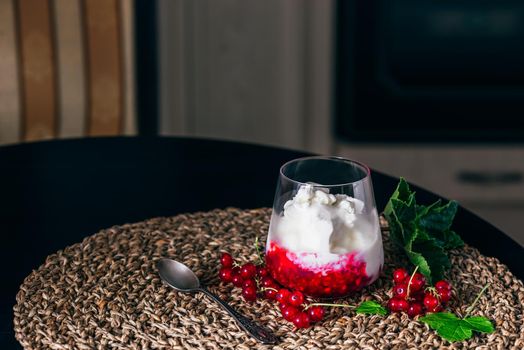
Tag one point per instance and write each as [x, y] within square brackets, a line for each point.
[181, 278]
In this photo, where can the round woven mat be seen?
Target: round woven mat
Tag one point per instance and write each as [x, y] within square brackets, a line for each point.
[105, 293]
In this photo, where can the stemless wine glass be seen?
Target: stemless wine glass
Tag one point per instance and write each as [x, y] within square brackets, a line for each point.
[324, 237]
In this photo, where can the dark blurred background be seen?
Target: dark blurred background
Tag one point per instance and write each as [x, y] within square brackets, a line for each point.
[429, 90]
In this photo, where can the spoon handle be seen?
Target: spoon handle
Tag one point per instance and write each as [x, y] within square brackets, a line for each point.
[260, 333]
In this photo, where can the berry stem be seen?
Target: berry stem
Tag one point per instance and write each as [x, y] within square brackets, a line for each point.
[258, 251]
[263, 289]
[327, 304]
[470, 308]
[433, 292]
[409, 282]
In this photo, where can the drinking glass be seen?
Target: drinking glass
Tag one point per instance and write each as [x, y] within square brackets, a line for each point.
[324, 237]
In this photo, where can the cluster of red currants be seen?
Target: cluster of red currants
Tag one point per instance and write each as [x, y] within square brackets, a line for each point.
[294, 308]
[411, 295]
[255, 282]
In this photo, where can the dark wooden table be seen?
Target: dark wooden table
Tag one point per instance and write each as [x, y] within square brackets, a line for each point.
[55, 193]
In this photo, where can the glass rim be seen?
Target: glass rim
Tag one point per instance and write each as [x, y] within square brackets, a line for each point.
[366, 169]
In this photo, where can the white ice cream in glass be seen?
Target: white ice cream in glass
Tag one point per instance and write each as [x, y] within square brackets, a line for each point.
[324, 237]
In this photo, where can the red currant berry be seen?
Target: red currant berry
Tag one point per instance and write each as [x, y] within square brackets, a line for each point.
[283, 296]
[237, 280]
[414, 309]
[444, 295]
[288, 312]
[437, 308]
[442, 285]
[296, 298]
[270, 293]
[392, 305]
[282, 307]
[397, 304]
[431, 301]
[316, 313]
[248, 270]
[301, 320]
[417, 282]
[400, 290]
[402, 305]
[262, 271]
[225, 274]
[235, 271]
[268, 282]
[399, 275]
[249, 293]
[226, 260]
[249, 283]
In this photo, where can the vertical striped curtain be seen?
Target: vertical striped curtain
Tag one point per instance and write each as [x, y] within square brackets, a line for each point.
[66, 69]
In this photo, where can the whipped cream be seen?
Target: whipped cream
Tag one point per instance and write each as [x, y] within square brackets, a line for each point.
[315, 221]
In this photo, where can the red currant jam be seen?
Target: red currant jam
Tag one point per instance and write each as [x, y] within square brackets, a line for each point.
[306, 273]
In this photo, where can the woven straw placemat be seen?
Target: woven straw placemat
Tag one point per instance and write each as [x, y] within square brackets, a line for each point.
[105, 293]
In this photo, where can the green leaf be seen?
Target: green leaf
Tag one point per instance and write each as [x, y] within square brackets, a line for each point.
[396, 230]
[420, 235]
[448, 326]
[402, 192]
[429, 257]
[404, 214]
[410, 235]
[480, 324]
[418, 259]
[451, 240]
[424, 209]
[439, 218]
[438, 319]
[423, 232]
[437, 222]
[452, 328]
[405, 211]
[435, 258]
[400, 213]
[371, 307]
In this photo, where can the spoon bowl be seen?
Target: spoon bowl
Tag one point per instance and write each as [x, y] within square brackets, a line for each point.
[177, 275]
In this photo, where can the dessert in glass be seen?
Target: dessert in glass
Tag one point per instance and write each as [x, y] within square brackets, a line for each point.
[324, 237]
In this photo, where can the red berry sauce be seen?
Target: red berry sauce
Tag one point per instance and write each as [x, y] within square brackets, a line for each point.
[330, 280]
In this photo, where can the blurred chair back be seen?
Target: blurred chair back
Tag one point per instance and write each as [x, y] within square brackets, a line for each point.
[66, 68]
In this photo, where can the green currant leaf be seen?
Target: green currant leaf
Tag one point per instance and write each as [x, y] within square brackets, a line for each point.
[480, 324]
[396, 230]
[402, 192]
[455, 331]
[438, 319]
[371, 307]
[437, 222]
[421, 235]
[451, 240]
[419, 260]
[439, 218]
[452, 328]
[448, 326]
[411, 234]
[405, 211]
[424, 209]
[423, 232]
[435, 257]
